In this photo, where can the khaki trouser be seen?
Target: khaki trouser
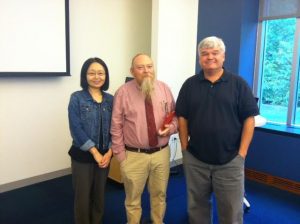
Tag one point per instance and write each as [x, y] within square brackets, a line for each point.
[136, 169]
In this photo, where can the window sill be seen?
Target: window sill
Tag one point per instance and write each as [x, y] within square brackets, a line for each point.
[280, 130]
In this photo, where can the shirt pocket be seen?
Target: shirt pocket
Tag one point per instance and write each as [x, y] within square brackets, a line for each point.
[85, 112]
[165, 107]
[107, 109]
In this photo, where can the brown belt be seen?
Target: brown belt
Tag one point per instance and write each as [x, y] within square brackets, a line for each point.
[148, 151]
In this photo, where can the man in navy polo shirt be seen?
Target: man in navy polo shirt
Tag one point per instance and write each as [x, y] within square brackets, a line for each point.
[216, 112]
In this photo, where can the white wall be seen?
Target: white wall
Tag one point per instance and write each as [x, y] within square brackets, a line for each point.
[174, 44]
[34, 133]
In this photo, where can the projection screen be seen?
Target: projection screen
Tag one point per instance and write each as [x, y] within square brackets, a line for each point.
[34, 38]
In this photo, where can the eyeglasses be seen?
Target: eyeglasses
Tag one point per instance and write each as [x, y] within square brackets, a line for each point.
[93, 74]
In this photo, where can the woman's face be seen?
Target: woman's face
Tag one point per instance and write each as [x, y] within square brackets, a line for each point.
[95, 76]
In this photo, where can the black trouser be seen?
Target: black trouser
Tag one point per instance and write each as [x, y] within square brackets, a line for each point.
[89, 188]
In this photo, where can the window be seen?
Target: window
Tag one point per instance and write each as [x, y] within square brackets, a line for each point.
[277, 82]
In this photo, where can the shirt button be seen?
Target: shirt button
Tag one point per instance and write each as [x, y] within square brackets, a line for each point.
[212, 86]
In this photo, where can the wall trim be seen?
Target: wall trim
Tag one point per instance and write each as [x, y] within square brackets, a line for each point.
[48, 176]
[34, 180]
[278, 182]
[261, 177]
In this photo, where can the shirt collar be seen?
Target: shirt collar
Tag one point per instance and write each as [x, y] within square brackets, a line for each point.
[223, 78]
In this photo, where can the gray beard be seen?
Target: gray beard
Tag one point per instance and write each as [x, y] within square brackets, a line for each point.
[147, 87]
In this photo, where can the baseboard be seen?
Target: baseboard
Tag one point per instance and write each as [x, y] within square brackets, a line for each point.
[49, 176]
[34, 180]
[278, 182]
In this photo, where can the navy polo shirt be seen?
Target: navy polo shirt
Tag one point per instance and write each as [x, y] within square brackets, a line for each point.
[215, 113]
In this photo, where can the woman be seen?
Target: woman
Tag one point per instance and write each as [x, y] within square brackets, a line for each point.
[89, 120]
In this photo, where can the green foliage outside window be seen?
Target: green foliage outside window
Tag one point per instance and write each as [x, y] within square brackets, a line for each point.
[277, 62]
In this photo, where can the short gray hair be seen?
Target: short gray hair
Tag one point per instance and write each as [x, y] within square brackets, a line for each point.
[211, 42]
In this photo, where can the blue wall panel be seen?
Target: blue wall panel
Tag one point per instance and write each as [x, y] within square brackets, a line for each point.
[278, 155]
[235, 21]
[222, 19]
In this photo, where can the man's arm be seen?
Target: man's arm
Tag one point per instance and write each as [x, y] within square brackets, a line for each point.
[183, 132]
[116, 130]
[172, 127]
[247, 134]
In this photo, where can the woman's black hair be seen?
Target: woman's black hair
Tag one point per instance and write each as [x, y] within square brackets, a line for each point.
[83, 75]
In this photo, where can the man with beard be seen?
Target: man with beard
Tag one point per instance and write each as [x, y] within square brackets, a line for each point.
[144, 156]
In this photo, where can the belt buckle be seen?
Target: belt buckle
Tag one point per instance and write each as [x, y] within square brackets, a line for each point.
[139, 150]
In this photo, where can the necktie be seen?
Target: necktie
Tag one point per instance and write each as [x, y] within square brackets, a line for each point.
[152, 135]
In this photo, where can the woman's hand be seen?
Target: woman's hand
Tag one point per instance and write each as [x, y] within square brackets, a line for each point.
[106, 159]
[97, 155]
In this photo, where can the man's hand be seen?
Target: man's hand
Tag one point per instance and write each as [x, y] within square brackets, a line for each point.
[165, 132]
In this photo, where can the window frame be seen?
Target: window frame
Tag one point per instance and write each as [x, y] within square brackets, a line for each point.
[294, 80]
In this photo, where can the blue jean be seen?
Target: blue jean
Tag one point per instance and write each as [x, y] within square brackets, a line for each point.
[225, 181]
